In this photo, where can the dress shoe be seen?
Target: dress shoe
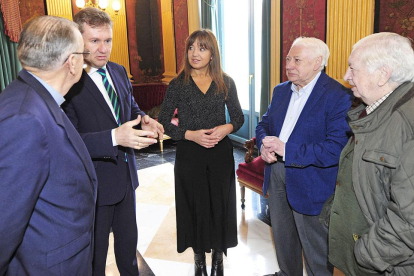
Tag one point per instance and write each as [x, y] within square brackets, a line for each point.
[217, 263]
[200, 268]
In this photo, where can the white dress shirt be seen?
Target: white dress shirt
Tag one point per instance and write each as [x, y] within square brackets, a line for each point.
[296, 104]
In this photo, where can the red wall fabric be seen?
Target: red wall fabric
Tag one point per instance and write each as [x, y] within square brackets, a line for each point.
[31, 9]
[301, 18]
[180, 29]
[397, 16]
[11, 19]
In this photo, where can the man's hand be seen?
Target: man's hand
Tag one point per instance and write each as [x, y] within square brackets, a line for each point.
[274, 144]
[150, 124]
[202, 137]
[271, 146]
[267, 156]
[127, 136]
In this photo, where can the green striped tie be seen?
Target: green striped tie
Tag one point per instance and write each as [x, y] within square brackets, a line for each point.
[111, 93]
[113, 97]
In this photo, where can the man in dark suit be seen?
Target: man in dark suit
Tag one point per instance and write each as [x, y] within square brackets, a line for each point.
[102, 108]
[301, 137]
[48, 185]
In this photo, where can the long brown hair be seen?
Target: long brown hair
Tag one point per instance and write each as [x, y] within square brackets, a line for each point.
[207, 40]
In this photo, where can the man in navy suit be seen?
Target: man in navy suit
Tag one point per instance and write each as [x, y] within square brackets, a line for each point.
[48, 185]
[301, 137]
[102, 108]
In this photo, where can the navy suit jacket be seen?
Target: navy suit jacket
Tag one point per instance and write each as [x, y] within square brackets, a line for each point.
[92, 117]
[48, 186]
[313, 149]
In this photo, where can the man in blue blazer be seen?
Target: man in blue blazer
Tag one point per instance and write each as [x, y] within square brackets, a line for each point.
[102, 108]
[301, 137]
[48, 185]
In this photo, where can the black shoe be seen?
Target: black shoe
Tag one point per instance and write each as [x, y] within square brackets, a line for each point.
[217, 263]
[200, 264]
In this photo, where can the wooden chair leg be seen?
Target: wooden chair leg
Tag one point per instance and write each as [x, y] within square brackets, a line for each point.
[242, 192]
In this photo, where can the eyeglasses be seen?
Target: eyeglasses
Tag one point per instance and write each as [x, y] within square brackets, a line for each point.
[85, 54]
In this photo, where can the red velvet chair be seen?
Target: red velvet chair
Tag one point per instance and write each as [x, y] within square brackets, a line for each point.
[251, 173]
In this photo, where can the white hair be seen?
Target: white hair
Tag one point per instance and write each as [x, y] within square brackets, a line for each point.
[316, 46]
[46, 41]
[388, 49]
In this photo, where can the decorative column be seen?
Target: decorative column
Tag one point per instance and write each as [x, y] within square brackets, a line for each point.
[275, 45]
[180, 30]
[168, 40]
[62, 8]
[347, 22]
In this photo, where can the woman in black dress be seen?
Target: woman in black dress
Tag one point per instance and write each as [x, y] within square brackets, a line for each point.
[205, 192]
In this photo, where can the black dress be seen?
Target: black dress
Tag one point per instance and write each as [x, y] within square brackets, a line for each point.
[205, 192]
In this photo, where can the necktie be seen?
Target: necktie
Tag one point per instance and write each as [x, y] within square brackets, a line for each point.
[113, 97]
[111, 93]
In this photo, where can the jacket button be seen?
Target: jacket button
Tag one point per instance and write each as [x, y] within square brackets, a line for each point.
[337, 183]
[356, 142]
[356, 237]
[355, 127]
[382, 158]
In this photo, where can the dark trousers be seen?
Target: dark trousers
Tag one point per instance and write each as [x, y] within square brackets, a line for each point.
[293, 232]
[121, 217]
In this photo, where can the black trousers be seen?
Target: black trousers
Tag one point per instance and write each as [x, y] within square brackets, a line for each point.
[205, 196]
[122, 218]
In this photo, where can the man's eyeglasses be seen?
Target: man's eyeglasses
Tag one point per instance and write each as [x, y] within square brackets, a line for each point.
[85, 54]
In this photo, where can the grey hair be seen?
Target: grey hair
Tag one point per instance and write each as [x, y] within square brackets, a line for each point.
[46, 41]
[391, 50]
[316, 46]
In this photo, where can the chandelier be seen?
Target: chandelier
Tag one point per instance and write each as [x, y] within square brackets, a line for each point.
[101, 4]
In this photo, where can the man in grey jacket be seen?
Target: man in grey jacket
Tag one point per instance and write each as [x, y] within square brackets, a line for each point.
[371, 224]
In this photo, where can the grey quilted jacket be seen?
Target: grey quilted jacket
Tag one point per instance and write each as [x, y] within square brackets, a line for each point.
[383, 180]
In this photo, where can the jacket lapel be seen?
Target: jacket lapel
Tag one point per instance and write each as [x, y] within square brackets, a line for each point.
[281, 111]
[61, 120]
[94, 91]
[317, 92]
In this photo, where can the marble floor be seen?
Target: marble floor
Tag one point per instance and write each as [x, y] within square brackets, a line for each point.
[254, 255]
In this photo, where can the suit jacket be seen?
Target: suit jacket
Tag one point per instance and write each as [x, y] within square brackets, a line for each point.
[313, 149]
[92, 117]
[48, 186]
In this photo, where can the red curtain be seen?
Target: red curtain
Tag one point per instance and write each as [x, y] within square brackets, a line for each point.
[11, 19]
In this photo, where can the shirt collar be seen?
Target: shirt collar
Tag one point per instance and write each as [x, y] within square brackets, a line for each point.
[91, 70]
[307, 88]
[59, 99]
[370, 108]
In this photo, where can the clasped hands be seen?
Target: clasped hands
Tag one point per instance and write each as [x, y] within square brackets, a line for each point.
[127, 136]
[209, 138]
[272, 145]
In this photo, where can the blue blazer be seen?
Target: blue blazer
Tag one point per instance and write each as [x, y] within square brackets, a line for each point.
[313, 149]
[92, 117]
[48, 186]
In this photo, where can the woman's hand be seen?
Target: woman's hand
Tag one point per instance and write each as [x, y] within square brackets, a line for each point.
[222, 131]
[208, 138]
[202, 137]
